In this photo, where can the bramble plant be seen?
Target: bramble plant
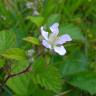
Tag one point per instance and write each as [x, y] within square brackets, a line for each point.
[47, 48]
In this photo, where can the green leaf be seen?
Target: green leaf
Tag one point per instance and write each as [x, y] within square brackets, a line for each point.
[70, 65]
[18, 66]
[85, 81]
[19, 85]
[20, 32]
[46, 75]
[49, 7]
[52, 19]
[7, 40]
[38, 20]
[23, 86]
[73, 31]
[15, 53]
[32, 40]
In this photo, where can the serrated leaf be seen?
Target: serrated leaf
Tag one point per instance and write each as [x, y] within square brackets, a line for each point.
[46, 75]
[19, 85]
[38, 20]
[32, 40]
[15, 53]
[85, 81]
[73, 31]
[18, 66]
[23, 86]
[7, 40]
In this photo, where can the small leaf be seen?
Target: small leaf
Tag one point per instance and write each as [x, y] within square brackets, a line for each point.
[32, 40]
[38, 20]
[15, 53]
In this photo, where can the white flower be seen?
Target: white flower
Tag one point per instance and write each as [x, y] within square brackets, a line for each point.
[29, 5]
[53, 41]
[35, 13]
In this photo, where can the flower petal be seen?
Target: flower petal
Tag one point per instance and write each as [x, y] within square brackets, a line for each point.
[60, 50]
[63, 39]
[44, 33]
[46, 44]
[54, 28]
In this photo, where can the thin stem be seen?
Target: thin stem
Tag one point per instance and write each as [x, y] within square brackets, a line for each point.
[19, 73]
[64, 93]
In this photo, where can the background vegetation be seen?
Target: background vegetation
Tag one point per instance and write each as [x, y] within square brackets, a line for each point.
[42, 73]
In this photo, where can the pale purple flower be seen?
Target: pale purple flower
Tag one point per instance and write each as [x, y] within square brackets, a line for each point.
[53, 41]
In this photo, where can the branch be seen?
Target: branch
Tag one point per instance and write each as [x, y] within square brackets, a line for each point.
[19, 73]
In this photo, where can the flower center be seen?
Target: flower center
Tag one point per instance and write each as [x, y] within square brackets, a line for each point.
[52, 40]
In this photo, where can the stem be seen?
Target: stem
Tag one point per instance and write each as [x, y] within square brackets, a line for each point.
[64, 93]
[19, 73]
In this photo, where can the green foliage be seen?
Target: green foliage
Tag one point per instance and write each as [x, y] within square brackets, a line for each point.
[37, 78]
[31, 87]
[36, 20]
[85, 81]
[32, 40]
[74, 65]
[25, 87]
[7, 40]
[50, 81]
[2, 62]
[20, 85]
[15, 53]
[52, 19]
[74, 32]
[18, 66]
[48, 71]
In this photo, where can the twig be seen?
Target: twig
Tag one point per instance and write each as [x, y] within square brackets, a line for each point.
[64, 93]
[19, 73]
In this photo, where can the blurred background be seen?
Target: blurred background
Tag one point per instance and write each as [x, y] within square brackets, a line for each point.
[76, 18]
